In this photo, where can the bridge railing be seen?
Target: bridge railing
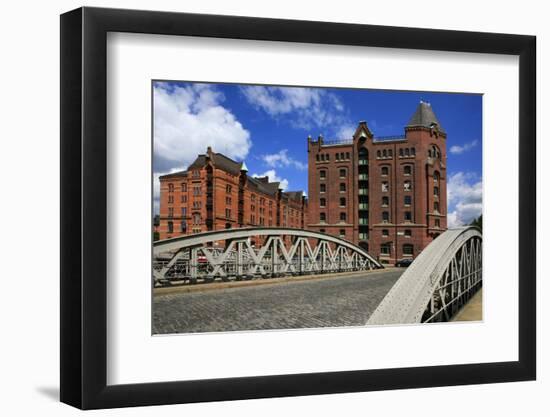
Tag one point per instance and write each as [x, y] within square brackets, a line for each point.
[438, 283]
[230, 255]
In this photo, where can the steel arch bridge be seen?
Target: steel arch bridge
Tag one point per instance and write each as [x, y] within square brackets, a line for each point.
[438, 283]
[282, 252]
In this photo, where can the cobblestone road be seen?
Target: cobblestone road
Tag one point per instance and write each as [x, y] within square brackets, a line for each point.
[340, 301]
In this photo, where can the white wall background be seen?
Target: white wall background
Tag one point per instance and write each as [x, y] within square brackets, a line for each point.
[29, 164]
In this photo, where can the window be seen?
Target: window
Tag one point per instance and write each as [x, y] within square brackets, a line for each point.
[385, 249]
[337, 156]
[322, 230]
[170, 227]
[407, 233]
[385, 171]
[342, 173]
[196, 218]
[342, 202]
[385, 186]
[390, 153]
[253, 198]
[408, 216]
[407, 169]
[436, 207]
[322, 217]
[385, 201]
[183, 211]
[385, 232]
[342, 187]
[378, 154]
[328, 157]
[413, 152]
[196, 174]
[436, 191]
[407, 186]
[228, 213]
[436, 177]
[385, 216]
[228, 201]
[322, 174]
[228, 189]
[342, 233]
[408, 200]
[317, 157]
[170, 211]
[407, 152]
[183, 187]
[347, 155]
[183, 227]
[184, 198]
[170, 199]
[322, 188]
[401, 152]
[342, 217]
[385, 153]
[408, 249]
[197, 190]
[322, 202]
[170, 188]
[437, 223]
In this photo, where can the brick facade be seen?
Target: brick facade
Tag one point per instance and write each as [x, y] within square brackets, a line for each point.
[216, 193]
[388, 195]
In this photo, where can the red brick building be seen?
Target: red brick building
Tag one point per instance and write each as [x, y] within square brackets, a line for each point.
[216, 192]
[389, 195]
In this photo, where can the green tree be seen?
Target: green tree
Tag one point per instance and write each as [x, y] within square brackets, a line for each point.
[478, 222]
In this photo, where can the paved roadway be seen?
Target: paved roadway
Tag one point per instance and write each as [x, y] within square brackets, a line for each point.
[325, 302]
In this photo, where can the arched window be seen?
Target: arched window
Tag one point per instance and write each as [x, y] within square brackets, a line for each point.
[407, 152]
[385, 153]
[436, 207]
[436, 177]
[378, 154]
[385, 171]
[401, 152]
[436, 191]
[170, 188]
[342, 173]
[434, 152]
[413, 152]
[390, 153]
[407, 170]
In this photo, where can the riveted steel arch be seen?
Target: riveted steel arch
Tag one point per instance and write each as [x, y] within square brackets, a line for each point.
[195, 256]
[438, 283]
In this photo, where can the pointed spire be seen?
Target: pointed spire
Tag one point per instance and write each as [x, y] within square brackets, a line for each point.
[244, 168]
[424, 116]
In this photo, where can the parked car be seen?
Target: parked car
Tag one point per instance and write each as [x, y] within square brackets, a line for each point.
[404, 262]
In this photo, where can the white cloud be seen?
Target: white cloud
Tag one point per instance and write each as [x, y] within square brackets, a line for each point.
[281, 159]
[273, 177]
[465, 196]
[346, 132]
[457, 150]
[304, 108]
[188, 119]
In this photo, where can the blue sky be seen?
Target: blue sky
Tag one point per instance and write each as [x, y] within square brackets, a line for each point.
[268, 127]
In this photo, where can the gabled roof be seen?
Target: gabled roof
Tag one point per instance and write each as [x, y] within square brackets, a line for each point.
[424, 116]
[294, 195]
[220, 161]
[179, 174]
[270, 188]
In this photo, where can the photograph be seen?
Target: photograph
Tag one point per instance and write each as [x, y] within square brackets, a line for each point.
[292, 207]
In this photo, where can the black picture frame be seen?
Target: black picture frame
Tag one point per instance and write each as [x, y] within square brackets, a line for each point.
[84, 207]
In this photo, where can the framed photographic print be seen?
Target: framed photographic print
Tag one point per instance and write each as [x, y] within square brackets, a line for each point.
[257, 208]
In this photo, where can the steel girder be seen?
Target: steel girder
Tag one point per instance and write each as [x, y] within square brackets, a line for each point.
[180, 257]
[438, 283]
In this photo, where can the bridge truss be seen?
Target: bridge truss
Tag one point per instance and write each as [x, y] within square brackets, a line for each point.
[438, 283]
[247, 253]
